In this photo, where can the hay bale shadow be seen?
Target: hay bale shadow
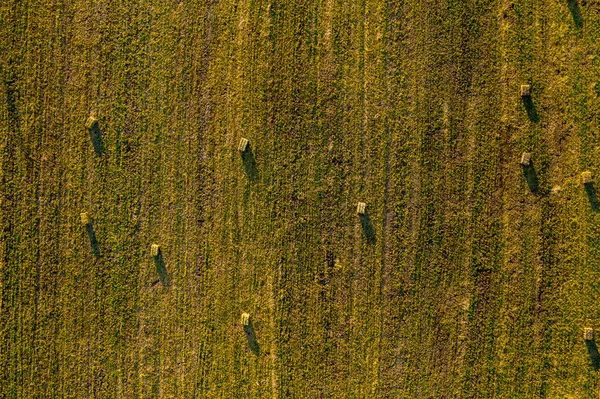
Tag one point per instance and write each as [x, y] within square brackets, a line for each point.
[96, 137]
[251, 337]
[531, 110]
[576, 13]
[592, 197]
[92, 238]
[161, 269]
[531, 177]
[367, 228]
[594, 354]
[250, 164]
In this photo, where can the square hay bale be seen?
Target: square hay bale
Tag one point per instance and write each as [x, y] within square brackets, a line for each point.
[525, 90]
[245, 319]
[85, 219]
[588, 334]
[155, 250]
[91, 122]
[250, 334]
[526, 159]
[360, 209]
[243, 146]
[586, 177]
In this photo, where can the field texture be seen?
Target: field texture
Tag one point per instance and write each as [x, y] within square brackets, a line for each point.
[469, 277]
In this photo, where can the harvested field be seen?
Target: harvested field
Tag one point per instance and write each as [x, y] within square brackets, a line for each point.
[469, 276]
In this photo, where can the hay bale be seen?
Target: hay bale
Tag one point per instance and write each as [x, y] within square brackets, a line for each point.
[85, 219]
[588, 334]
[525, 90]
[360, 209]
[526, 159]
[586, 177]
[243, 146]
[245, 319]
[155, 250]
[91, 122]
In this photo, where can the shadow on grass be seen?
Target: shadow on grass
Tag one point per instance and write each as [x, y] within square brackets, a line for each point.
[593, 352]
[530, 107]
[531, 178]
[96, 136]
[161, 269]
[250, 164]
[367, 228]
[592, 197]
[576, 13]
[251, 337]
[93, 241]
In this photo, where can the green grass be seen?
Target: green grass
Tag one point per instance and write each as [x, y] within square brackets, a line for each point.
[472, 285]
